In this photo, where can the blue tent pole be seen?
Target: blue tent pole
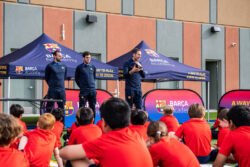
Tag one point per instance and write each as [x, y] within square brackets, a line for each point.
[117, 82]
[208, 89]
[8, 96]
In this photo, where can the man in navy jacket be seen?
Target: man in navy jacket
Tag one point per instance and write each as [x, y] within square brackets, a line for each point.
[55, 74]
[85, 76]
[133, 72]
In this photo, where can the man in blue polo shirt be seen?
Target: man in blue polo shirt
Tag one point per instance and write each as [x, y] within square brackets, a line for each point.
[85, 76]
[55, 74]
[133, 72]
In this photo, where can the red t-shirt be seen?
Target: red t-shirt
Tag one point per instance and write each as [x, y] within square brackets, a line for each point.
[122, 148]
[73, 126]
[146, 124]
[171, 122]
[141, 130]
[84, 133]
[15, 144]
[222, 133]
[10, 157]
[99, 124]
[238, 143]
[169, 152]
[58, 130]
[23, 125]
[40, 146]
[197, 136]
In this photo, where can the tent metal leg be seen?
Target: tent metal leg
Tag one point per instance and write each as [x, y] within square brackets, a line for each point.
[208, 96]
[118, 91]
[8, 96]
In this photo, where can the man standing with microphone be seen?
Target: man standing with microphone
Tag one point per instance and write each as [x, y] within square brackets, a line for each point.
[85, 76]
[133, 72]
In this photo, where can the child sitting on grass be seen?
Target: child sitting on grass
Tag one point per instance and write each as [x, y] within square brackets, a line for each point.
[58, 125]
[168, 152]
[170, 121]
[224, 130]
[87, 130]
[196, 133]
[216, 124]
[17, 111]
[10, 129]
[39, 144]
[238, 139]
[138, 120]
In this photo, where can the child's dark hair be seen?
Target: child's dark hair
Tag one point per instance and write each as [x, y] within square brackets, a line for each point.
[16, 110]
[157, 130]
[9, 129]
[138, 117]
[84, 116]
[116, 113]
[58, 113]
[239, 115]
[219, 109]
[196, 111]
[223, 114]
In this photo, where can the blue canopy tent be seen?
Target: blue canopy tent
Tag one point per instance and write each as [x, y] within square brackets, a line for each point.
[30, 61]
[160, 68]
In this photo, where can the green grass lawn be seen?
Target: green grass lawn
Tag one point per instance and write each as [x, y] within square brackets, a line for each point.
[212, 115]
[30, 121]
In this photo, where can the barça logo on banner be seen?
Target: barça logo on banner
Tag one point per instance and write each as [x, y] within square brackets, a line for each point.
[160, 104]
[52, 47]
[68, 108]
[151, 53]
[19, 69]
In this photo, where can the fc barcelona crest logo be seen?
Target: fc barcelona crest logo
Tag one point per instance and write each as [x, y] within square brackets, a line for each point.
[151, 53]
[159, 105]
[68, 108]
[19, 69]
[52, 47]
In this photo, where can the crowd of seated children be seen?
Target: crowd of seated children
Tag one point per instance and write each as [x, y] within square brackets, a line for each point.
[58, 125]
[216, 124]
[237, 141]
[196, 133]
[118, 146]
[87, 130]
[138, 120]
[121, 144]
[17, 111]
[170, 121]
[39, 144]
[10, 129]
[224, 130]
[166, 151]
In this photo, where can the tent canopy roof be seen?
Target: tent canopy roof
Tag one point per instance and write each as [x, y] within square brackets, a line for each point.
[161, 68]
[31, 61]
